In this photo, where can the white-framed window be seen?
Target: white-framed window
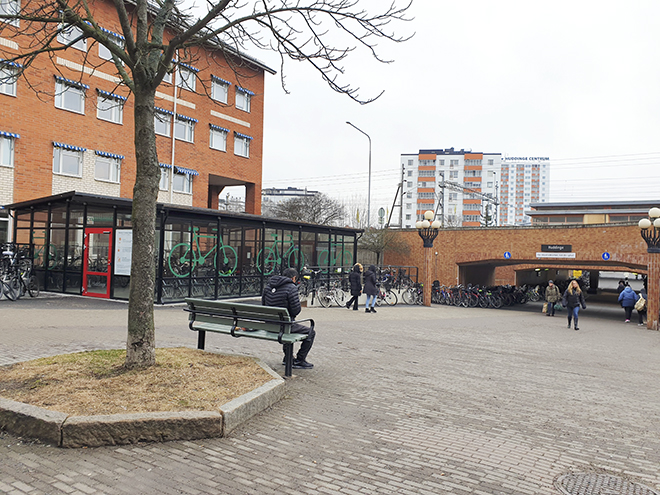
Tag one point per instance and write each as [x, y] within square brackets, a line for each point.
[453, 196]
[408, 206]
[184, 128]
[69, 34]
[242, 145]
[107, 167]
[182, 183]
[408, 216]
[442, 163]
[167, 78]
[453, 163]
[410, 172]
[110, 107]
[10, 7]
[68, 160]
[187, 77]
[117, 39]
[489, 184]
[243, 98]
[409, 195]
[453, 174]
[163, 122]
[70, 95]
[8, 78]
[7, 149]
[219, 89]
[164, 184]
[218, 140]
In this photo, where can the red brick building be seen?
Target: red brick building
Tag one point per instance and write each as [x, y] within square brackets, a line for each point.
[68, 125]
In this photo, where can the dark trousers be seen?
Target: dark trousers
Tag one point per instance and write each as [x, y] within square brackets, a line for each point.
[306, 344]
[551, 309]
[628, 310]
[354, 301]
[641, 314]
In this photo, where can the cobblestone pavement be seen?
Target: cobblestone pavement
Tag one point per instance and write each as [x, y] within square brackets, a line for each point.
[410, 400]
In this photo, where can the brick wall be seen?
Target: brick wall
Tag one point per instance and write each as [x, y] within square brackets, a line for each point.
[35, 118]
[464, 255]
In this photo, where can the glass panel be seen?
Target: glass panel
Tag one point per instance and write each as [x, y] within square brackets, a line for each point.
[176, 250]
[98, 250]
[124, 220]
[23, 220]
[97, 284]
[120, 286]
[74, 254]
[100, 217]
[76, 216]
[58, 217]
[54, 280]
[251, 246]
[73, 282]
[322, 250]
[268, 260]
[55, 249]
[307, 247]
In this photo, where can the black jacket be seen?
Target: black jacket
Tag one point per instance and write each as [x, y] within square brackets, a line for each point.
[572, 300]
[281, 292]
[370, 281]
[356, 284]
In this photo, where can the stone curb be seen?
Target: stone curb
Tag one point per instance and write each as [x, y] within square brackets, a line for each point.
[62, 430]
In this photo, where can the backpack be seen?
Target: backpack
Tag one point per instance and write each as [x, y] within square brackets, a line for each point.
[640, 305]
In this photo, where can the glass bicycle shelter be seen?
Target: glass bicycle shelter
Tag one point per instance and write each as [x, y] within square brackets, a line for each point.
[81, 244]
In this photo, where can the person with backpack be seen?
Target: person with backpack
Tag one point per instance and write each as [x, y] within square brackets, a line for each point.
[552, 295]
[628, 298]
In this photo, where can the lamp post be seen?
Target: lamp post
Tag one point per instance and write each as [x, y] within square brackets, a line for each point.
[650, 230]
[428, 231]
[369, 188]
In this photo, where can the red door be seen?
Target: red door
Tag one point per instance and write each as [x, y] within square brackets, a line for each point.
[97, 262]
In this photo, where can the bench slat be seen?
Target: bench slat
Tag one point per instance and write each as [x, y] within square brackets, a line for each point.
[253, 334]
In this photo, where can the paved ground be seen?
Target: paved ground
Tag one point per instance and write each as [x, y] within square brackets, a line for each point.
[411, 400]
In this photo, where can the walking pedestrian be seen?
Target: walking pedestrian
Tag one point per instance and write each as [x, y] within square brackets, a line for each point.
[370, 289]
[620, 287]
[354, 278]
[552, 295]
[572, 300]
[628, 298]
[641, 307]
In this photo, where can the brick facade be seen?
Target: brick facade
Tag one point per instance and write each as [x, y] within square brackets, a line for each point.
[39, 123]
[477, 255]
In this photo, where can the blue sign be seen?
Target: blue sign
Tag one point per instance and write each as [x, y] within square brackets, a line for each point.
[606, 256]
[507, 255]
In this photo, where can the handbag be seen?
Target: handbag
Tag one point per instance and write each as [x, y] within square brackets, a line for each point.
[545, 307]
[640, 305]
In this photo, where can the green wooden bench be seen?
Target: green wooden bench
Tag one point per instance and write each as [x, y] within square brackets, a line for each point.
[245, 320]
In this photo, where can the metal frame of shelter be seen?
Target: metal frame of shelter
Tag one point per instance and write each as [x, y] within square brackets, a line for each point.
[203, 253]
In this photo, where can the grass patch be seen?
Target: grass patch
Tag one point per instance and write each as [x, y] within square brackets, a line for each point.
[96, 382]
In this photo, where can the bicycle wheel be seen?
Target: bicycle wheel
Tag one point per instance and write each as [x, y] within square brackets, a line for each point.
[226, 262]
[10, 290]
[33, 287]
[179, 260]
[483, 301]
[339, 296]
[323, 297]
[296, 259]
[269, 261]
[390, 298]
[408, 296]
[496, 301]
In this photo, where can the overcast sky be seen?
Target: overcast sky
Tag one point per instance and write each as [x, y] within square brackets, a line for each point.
[576, 81]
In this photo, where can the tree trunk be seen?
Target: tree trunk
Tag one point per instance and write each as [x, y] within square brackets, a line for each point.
[141, 342]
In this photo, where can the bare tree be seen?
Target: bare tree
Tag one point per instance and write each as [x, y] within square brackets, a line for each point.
[321, 33]
[314, 208]
[380, 240]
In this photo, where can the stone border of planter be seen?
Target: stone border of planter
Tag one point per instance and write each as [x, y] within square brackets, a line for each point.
[62, 430]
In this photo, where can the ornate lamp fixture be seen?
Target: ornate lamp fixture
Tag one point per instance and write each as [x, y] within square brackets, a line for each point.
[650, 230]
[429, 231]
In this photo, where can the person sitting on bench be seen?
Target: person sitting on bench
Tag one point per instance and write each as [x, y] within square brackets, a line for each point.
[282, 292]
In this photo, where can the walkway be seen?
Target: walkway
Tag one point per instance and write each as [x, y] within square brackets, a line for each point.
[411, 400]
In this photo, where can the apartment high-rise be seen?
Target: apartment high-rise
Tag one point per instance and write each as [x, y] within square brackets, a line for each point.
[469, 189]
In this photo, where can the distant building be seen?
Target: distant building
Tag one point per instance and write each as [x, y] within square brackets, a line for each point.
[274, 195]
[524, 180]
[589, 212]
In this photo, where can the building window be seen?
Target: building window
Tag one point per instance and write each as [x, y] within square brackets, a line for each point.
[187, 77]
[410, 173]
[218, 138]
[107, 166]
[164, 184]
[115, 38]
[219, 89]
[184, 128]
[182, 183]
[8, 77]
[167, 77]
[110, 107]
[408, 216]
[453, 196]
[410, 163]
[427, 173]
[408, 206]
[7, 148]
[409, 195]
[453, 163]
[442, 163]
[453, 174]
[67, 160]
[70, 95]
[490, 162]
[163, 122]
[489, 184]
[243, 98]
[72, 37]
[242, 145]
[10, 8]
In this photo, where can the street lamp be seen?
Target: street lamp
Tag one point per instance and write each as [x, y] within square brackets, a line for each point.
[650, 230]
[369, 189]
[428, 231]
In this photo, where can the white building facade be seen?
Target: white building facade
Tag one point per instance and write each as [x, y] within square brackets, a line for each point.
[469, 189]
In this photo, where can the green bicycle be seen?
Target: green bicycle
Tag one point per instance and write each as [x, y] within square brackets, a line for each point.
[339, 257]
[272, 258]
[182, 261]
